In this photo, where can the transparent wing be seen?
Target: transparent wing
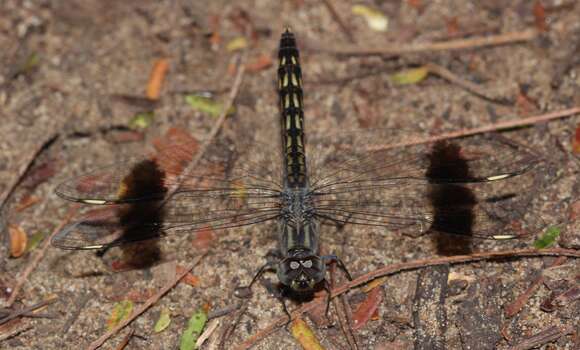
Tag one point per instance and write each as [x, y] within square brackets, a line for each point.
[477, 186]
[119, 224]
[224, 190]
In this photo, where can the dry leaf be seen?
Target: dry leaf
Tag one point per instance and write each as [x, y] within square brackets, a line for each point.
[26, 202]
[139, 295]
[237, 44]
[367, 309]
[540, 16]
[376, 20]
[156, 78]
[262, 62]
[576, 141]
[18, 241]
[121, 311]
[39, 174]
[203, 238]
[416, 4]
[452, 26]
[410, 76]
[304, 335]
[215, 39]
[377, 282]
[189, 278]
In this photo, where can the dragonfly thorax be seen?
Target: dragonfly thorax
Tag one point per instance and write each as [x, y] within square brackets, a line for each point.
[301, 268]
[297, 205]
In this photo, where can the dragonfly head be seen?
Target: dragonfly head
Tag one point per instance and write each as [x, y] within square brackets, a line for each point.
[301, 272]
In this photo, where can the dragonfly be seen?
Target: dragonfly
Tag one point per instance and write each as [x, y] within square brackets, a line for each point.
[475, 187]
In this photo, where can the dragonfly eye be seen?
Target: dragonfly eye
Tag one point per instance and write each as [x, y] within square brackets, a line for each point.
[294, 265]
[307, 263]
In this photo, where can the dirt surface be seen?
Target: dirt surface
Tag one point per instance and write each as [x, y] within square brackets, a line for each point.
[68, 112]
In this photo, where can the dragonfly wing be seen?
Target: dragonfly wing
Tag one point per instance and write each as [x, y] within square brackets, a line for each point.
[139, 201]
[450, 187]
[122, 223]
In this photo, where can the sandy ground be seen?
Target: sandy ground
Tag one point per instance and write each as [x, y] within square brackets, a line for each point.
[65, 111]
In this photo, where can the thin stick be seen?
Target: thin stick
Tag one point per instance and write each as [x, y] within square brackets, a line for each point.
[467, 85]
[215, 129]
[229, 328]
[38, 255]
[15, 332]
[348, 331]
[343, 27]
[209, 330]
[21, 312]
[545, 336]
[493, 127]
[396, 268]
[459, 44]
[79, 306]
[126, 340]
[97, 343]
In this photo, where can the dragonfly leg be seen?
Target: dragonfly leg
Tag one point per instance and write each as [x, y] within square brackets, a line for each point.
[282, 299]
[326, 287]
[329, 259]
[246, 291]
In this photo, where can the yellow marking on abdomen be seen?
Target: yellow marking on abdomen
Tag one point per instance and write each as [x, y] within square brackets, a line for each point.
[296, 100]
[294, 80]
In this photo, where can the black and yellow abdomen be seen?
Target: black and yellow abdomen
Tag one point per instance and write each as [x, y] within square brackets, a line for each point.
[290, 92]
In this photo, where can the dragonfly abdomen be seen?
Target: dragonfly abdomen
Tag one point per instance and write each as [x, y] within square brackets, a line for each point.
[290, 92]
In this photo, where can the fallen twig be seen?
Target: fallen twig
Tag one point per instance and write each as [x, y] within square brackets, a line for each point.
[343, 313]
[150, 302]
[223, 311]
[79, 305]
[215, 129]
[395, 268]
[545, 336]
[343, 27]
[38, 255]
[23, 311]
[467, 85]
[460, 44]
[483, 129]
[22, 170]
[126, 340]
[513, 308]
[229, 328]
[209, 330]
[347, 326]
[15, 332]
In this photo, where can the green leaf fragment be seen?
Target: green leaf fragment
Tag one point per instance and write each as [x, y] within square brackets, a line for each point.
[34, 241]
[194, 328]
[32, 61]
[141, 120]
[206, 105]
[410, 76]
[163, 321]
[121, 311]
[548, 238]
